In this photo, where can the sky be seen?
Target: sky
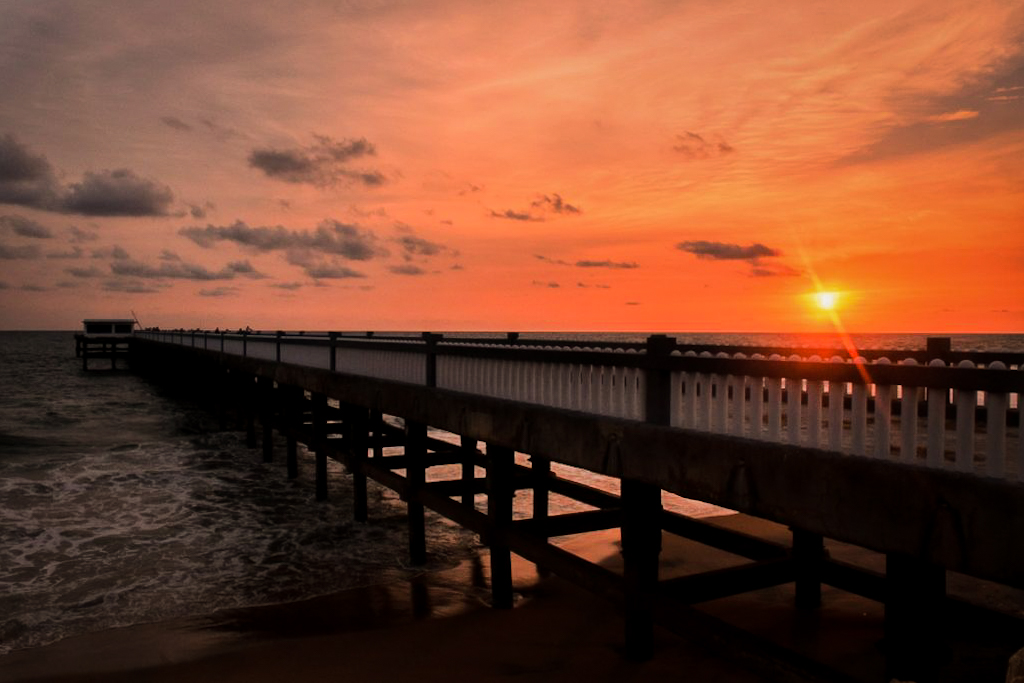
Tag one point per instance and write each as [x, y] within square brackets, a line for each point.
[466, 165]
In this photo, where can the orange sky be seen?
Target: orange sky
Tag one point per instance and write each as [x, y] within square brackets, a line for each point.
[640, 166]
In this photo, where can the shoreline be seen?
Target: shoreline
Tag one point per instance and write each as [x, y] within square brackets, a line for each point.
[439, 626]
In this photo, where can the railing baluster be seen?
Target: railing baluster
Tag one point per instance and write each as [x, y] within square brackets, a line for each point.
[936, 454]
[995, 429]
[883, 416]
[814, 392]
[908, 419]
[966, 407]
[756, 403]
[774, 404]
[836, 410]
[794, 395]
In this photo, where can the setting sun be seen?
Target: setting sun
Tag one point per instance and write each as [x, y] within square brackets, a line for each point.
[826, 300]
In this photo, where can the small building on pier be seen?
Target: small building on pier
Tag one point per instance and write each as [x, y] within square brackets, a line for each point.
[104, 338]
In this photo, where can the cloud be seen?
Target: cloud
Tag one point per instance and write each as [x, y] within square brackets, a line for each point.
[751, 254]
[694, 146]
[322, 164]
[178, 270]
[4, 285]
[117, 193]
[959, 115]
[78, 235]
[546, 259]
[33, 288]
[329, 237]
[407, 269]
[219, 291]
[722, 251]
[291, 286]
[75, 252]
[554, 204]
[27, 180]
[510, 214]
[607, 264]
[175, 123]
[331, 271]
[551, 285]
[25, 227]
[117, 253]
[418, 246]
[91, 271]
[131, 287]
[11, 252]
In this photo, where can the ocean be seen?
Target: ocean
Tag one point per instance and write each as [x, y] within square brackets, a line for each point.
[122, 504]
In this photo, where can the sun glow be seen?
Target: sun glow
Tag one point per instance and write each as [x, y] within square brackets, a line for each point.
[826, 301]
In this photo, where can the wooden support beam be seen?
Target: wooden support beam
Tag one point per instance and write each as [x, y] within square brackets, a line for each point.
[499, 513]
[571, 523]
[721, 583]
[415, 475]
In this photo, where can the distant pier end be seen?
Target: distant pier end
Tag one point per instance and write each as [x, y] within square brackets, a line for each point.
[104, 338]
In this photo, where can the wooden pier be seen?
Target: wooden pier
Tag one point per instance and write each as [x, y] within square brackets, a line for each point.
[769, 448]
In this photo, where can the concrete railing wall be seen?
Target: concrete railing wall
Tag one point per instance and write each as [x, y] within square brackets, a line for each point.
[964, 417]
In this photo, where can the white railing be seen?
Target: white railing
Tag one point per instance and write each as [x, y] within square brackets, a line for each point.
[832, 404]
[601, 389]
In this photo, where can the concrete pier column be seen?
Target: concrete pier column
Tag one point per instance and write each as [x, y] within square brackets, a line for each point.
[500, 492]
[415, 474]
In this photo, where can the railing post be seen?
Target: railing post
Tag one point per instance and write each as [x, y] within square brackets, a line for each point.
[245, 343]
[277, 345]
[431, 357]
[332, 344]
[641, 512]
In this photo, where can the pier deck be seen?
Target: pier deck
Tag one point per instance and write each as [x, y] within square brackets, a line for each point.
[924, 515]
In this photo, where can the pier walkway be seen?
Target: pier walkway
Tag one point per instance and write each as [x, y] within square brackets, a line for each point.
[913, 455]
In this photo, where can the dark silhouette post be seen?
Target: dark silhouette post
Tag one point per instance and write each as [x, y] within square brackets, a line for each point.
[500, 491]
[415, 474]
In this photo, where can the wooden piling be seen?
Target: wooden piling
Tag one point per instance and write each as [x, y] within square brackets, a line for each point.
[355, 438]
[319, 402]
[267, 406]
[293, 399]
[808, 555]
[415, 474]
[500, 491]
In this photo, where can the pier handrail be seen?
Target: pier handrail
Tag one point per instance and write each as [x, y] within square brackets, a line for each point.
[938, 408]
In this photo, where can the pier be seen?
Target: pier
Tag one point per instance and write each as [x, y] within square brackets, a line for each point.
[914, 455]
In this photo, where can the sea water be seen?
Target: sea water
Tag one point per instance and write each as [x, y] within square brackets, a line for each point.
[122, 504]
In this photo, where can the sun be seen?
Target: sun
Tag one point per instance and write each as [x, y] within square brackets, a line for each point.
[826, 300]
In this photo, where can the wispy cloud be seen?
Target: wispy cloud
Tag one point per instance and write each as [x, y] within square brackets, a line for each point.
[321, 164]
[752, 254]
[11, 252]
[554, 204]
[608, 264]
[179, 270]
[959, 115]
[25, 227]
[694, 146]
[329, 237]
[723, 251]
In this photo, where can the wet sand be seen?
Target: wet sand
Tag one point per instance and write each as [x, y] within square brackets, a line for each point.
[438, 627]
